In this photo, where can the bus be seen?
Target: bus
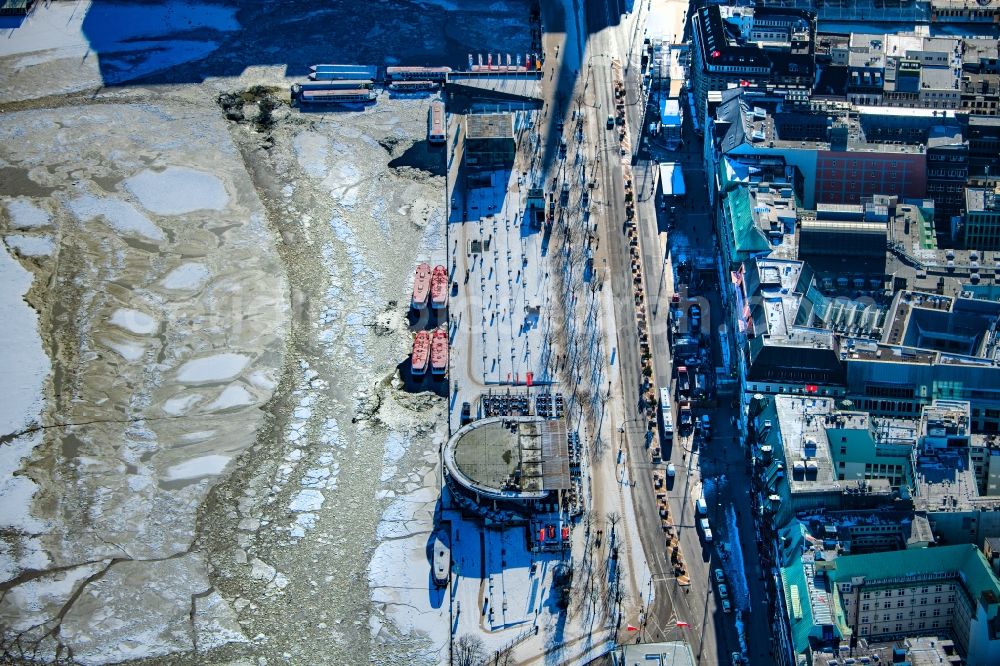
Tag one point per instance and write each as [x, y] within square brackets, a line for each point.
[436, 123]
[667, 415]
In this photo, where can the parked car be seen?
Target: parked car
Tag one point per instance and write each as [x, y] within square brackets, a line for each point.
[611, 122]
[720, 577]
[723, 591]
[671, 470]
[726, 606]
[694, 312]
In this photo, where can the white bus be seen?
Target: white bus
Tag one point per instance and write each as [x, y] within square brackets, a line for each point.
[667, 415]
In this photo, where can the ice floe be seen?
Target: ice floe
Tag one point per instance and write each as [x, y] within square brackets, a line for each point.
[177, 190]
[30, 246]
[130, 351]
[311, 151]
[21, 355]
[133, 321]
[210, 465]
[26, 215]
[186, 276]
[117, 214]
[232, 396]
[210, 369]
[306, 499]
[181, 404]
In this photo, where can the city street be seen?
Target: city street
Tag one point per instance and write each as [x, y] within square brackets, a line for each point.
[583, 77]
[720, 462]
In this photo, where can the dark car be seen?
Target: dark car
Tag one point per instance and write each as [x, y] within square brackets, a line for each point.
[466, 413]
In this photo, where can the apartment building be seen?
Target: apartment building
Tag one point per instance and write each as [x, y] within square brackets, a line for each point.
[949, 590]
[747, 46]
[843, 156]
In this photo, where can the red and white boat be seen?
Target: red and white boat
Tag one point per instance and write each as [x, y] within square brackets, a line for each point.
[439, 288]
[439, 352]
[421, 353]
[421, 287]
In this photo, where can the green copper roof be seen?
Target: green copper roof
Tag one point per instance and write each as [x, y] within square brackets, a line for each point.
[747, 239]
[963, 561]
[894, 564]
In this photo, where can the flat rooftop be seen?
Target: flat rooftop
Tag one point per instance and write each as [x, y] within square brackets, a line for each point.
[809, 128]
[945, 481]
[490, 126]
[673, 653]
[915, 257]
[978, 199]
[957, 327]
[511, 456]
[803, 425]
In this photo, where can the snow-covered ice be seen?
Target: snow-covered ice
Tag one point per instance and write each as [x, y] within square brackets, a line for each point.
[22, 358]
[235, 395]
[36, 601]
[306, 499]
[17, 490]
[133, 321]
[30, 246]
[210, 369]
[211, 465]
[311, 150]
[26, 215]
[186, 276]
[128, 350]
[177, 190]
[181, 404]
[119, 215]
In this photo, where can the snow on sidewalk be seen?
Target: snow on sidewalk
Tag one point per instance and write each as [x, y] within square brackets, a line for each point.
[735, 570]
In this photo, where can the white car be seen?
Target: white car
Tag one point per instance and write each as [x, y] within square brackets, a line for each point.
[671, 470]
[726, 606]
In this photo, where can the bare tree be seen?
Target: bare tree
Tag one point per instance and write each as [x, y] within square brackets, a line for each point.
[468, 651]
[595, 596]
[613, 519]
[504, 657]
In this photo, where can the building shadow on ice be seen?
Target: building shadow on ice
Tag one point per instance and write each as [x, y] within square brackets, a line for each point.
[188, 41]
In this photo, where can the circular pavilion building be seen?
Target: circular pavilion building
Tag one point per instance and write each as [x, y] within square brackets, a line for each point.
[508, 468]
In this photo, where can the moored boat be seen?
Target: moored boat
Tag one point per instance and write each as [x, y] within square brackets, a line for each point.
[442, 558]
[439, 287]
[421, 353]
[421, 287]
[439, 352]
